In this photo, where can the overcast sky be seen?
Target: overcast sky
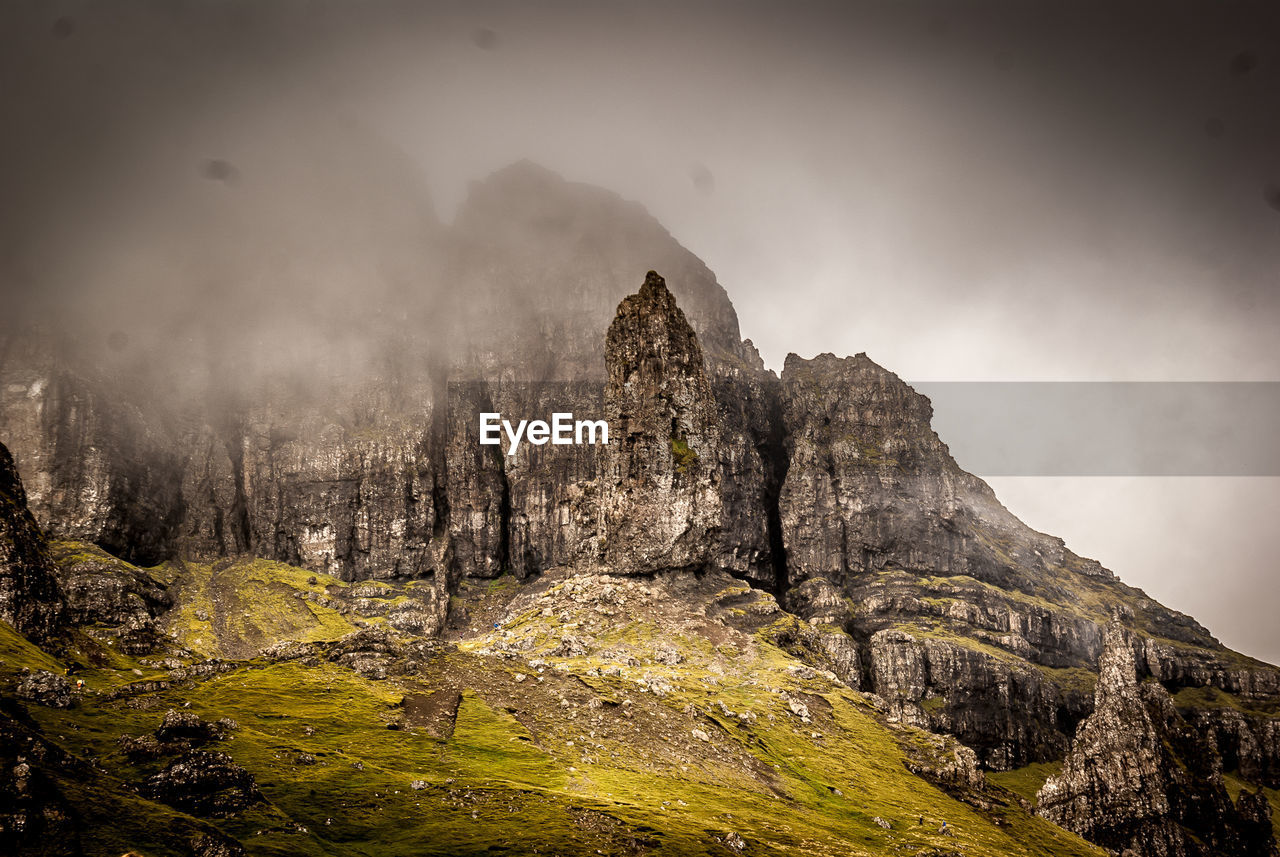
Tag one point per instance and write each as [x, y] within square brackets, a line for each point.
[965, 191]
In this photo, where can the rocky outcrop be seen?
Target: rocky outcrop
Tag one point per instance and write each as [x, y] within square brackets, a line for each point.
[36, 817]
[350, 447]
[969, 621]
[45, 688]
[110, 595]
[661, 500]
[216, 844]
[183, 726]
[205, 784]
[822, 647]
[54, 803]
[30, 600]
[870, 487]
[1001, 706]
[1140, 780]
[1247, 742]
[539, 266]
[179, 732]
[752, 465]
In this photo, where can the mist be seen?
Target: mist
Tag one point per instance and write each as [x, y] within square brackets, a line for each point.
[201, 194]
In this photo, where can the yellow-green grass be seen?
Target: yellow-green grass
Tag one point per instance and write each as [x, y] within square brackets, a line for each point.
[574, 756]
[1027, 780]
[234, 609]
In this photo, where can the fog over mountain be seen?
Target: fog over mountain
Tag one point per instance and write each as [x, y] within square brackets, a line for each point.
[978, 192]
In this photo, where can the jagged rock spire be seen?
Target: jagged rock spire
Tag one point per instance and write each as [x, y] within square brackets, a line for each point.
[661, 500]
[1140, 780]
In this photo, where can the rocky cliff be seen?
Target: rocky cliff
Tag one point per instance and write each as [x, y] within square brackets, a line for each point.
[97, 466]
[661, 484]
[968, 621]
[353, 462]
[1140, 779]
[30, 599]
[537, 270]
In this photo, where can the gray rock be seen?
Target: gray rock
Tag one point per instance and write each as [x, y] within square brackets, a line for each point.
[205, 784]
[947, 595]
[30, 599]
[45, 688]
[104, 591]
[187, 727]
[662, 505]
[1140, 778]
[216, 845]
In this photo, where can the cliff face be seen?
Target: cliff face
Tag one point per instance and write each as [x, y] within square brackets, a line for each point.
[661, 488]
[30, 600]
[344, 491]
[97, 466]
[364, 462]
[1140, 779]
[538, 268]
[969, 621]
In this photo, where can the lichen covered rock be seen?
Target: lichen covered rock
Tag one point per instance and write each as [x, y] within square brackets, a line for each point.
[110, 593]
[971, 622]
[45, 688]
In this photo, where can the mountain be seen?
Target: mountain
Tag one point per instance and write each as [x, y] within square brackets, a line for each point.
[772, 613]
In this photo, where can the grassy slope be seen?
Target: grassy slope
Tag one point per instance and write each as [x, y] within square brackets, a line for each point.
[235, 608]
[1026, 781]
[544, 753]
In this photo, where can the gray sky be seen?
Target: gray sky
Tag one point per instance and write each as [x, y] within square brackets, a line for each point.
[965, 191]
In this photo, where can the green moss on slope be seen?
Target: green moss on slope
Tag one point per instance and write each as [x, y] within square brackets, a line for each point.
[233, 609]
[1026, 781]
[672, 734]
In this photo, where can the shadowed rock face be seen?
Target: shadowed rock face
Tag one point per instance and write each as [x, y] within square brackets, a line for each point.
[1140, 780]
[206, 784]
[661, 495]
[30, 600]
[35, 816]
[118, 599]
[97, 466]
